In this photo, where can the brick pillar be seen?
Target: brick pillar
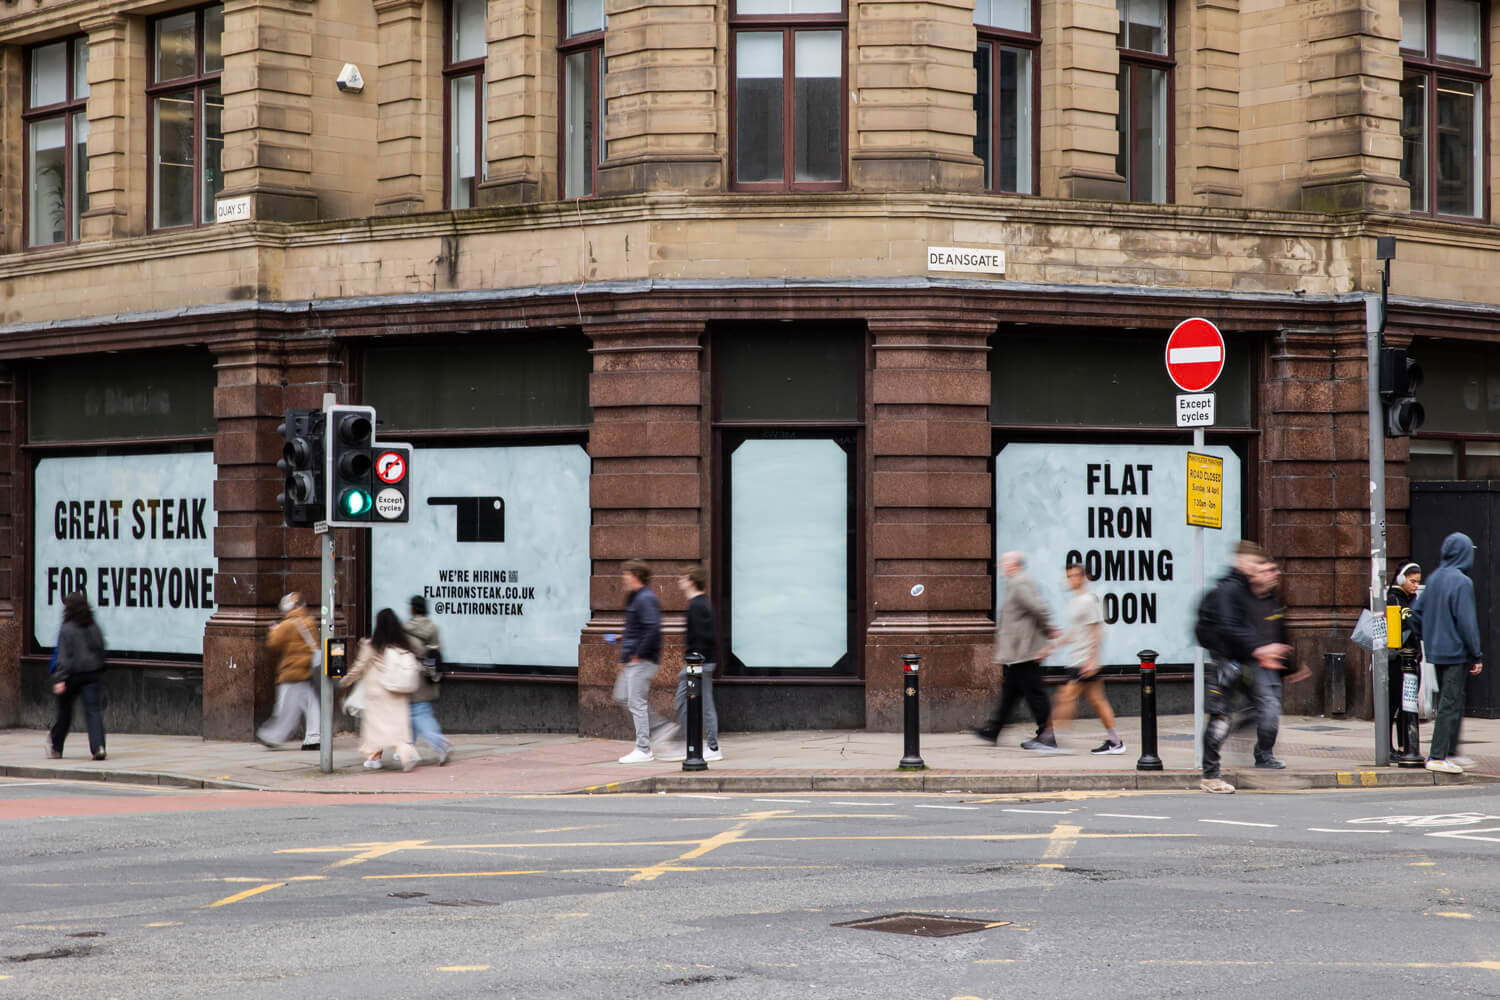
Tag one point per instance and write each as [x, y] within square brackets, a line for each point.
[1354, 108]
[522, 101]
[117, 130]
[13, 585]
[1208, 106]
[912, 65]
[267, 85]
[408, 91]
[1080, 65]
[647, 488]
[662, 91]
[932, 494]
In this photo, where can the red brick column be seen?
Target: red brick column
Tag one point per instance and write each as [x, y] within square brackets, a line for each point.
[646, 491]
[13, 584]
[259, 559]
[931, 495]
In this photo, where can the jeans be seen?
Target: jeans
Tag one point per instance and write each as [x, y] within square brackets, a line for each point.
[425, 728]
[1452, 681]
[1022, 681]
[633, 690]
[296, 704]
[1260, 687]
[91, 690]
[710, 714]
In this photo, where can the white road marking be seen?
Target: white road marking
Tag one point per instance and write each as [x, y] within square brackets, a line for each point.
[947, 807]
[836, 802]
[1049, 812]
[1235, 822]
[1324, 829]
[1469, 834]
[801, 802]
[689, 795]
[1130, 816]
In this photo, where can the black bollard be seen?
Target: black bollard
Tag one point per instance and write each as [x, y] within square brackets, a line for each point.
[1149, 760]
[694, 760]
[1408, 721]
[911, 662]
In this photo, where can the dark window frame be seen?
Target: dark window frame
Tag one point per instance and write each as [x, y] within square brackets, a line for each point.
[65, 110]
[1428, 67]
[199, 83]
[996, 38]
[453, 71]
[591, 42]
[1135, 65]
[789, 25]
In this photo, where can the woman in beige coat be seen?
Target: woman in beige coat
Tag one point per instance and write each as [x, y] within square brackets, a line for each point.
[385, 720]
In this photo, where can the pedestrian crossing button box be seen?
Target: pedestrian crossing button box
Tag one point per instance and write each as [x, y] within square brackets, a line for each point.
[335, 656]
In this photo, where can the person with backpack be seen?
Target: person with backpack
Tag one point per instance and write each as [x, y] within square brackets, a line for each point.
[79, 674]
[387, 673]
[422, 636]
[293, 642]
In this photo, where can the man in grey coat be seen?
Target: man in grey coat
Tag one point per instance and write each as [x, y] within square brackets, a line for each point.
[1022, 637]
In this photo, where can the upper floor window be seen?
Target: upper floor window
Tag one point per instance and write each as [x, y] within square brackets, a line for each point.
[788, 98]
[1445, 71]
[187, 108]
[1145, 88]
[580, 141]
[463, 98]
[1005, 67]
[57, 132]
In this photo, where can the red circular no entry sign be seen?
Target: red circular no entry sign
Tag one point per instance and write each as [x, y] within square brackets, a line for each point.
[1195, 355]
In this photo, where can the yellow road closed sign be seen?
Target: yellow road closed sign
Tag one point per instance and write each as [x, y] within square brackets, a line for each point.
[1205, 490]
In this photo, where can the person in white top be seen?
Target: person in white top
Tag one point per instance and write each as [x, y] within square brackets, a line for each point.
[1084, 636]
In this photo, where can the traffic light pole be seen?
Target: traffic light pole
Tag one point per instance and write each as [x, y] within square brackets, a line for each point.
[1374, 340]
[325, 631]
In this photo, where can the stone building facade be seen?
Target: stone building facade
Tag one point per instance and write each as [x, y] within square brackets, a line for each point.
[657, 274]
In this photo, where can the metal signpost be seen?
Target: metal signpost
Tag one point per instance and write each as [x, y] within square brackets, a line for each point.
[1195, 360]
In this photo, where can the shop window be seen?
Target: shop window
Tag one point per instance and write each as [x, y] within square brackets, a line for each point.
[187, 108]
[1432, 460]
[116, 397]
[787, 372]
[517, 382]
[1061, 378]
[1145, 83]
[1005, 71]
[581, 141]
[1460, 438]
[1445, 71]
[463, 101]
[57, 133]
[788, 98]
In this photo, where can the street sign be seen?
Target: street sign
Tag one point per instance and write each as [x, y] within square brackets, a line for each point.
[1195, 355]
[1196, 409]
[390, 503]
[1205, 490]
[391, 467]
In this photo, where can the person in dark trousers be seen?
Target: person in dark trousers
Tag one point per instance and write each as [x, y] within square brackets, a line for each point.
[640, 658]
[1250, 654]
[79, 673]
[422, 636]
[1022, 638]
[1401, 593]
[699, 639]
[1444, 619]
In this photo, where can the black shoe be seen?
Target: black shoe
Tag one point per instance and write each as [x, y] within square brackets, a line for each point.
[1271, 764]
[984, 735]
[312, 746]
[99, 755]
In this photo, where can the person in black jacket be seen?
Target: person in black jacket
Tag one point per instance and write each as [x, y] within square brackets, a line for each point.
[80, 666]
[699, 639]
[640, 657]
[1401, 593]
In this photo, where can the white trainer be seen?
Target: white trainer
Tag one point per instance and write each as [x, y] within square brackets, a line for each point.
[1443, 766]
[638, 757]
[712, 755]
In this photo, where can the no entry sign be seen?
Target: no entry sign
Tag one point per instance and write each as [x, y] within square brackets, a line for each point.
[1195, 355]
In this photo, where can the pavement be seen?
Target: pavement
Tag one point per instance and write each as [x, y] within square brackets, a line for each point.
[1319, 753]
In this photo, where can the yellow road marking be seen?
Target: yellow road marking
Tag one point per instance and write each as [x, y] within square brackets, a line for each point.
[424, 845]
[1062, 839]
[166, 923]
[666, 867]
[374, 851]
[463, 968]
[1451, 913]
[718, 840]
[245, 895]
[1490, 966]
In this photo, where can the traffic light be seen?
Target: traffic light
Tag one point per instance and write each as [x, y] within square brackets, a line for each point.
[301, 465]
[351, 440]
[1399, 378]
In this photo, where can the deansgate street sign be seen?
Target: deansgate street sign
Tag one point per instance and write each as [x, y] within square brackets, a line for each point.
[968, 259]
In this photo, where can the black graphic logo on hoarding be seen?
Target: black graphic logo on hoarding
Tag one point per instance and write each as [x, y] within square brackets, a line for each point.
[480, 519]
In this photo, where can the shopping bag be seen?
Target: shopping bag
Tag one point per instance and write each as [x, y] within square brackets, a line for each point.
[1369, 631]
[1427, 691]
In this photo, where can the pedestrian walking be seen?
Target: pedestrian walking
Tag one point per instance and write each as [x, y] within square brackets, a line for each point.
[1085, 634]
[640, 657]
[383, 668]
[699, 639]
[291, 641]
[1401, 594]
[1444, 619]
[1022, 637]
[79, 675]
[1250, 656]
[422, 636]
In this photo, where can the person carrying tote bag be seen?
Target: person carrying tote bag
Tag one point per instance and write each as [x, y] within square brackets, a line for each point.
[385, 720]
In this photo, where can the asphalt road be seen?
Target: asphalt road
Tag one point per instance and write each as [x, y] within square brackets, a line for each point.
[116, 892]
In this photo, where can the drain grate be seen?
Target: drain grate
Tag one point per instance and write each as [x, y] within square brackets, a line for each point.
[923, 924]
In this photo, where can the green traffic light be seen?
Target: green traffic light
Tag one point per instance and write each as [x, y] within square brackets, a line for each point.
[355, 503]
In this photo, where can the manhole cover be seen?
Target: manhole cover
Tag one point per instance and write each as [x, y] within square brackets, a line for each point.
[461, 902]
[923, 924]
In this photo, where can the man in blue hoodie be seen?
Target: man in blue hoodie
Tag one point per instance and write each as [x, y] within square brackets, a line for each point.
[1443, 616]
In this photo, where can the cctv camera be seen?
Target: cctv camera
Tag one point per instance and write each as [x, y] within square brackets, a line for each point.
[349, 79]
